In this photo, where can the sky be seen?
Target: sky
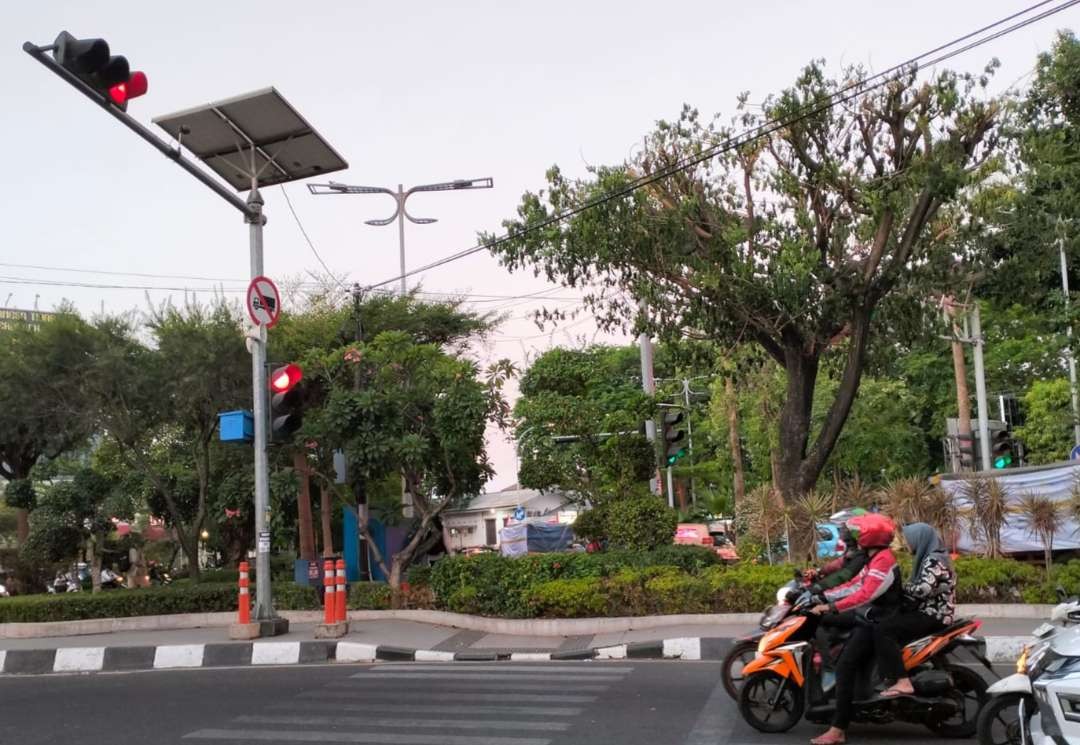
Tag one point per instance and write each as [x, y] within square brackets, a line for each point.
[408, 93]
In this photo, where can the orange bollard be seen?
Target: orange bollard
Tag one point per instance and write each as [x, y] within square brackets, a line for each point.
[329, 593]
[342, 591]
[244, 611]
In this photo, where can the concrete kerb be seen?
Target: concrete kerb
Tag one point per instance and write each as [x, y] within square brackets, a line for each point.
[116, 659]
[502, 626]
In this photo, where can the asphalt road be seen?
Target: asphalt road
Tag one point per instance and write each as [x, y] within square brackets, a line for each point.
[566, 703]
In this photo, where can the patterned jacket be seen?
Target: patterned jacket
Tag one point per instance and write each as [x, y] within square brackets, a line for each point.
[934, 592]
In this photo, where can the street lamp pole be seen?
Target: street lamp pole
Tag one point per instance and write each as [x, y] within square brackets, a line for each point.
[400, 197]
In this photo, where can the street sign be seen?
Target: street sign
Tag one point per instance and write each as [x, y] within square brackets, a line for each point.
[1075, 454]
[519, 514]
[264, 542]
[263, 302]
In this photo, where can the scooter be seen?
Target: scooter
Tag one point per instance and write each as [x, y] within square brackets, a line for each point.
[786, 681]
[1011, 700]
[745, 648]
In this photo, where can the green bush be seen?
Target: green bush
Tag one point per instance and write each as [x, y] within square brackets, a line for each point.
[569, 598]
[678, 593]
[368, 596]
[464, 600]
[980, 580]
[745, 588]
[418, 576]
[640, 523]
[591, 525]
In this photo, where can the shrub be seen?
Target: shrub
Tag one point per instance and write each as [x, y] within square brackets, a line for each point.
[368, 596]
[418, 576]
[640, 523]
[464, 600]
[591, 524]
[982, 580]
[678, 593]
[747, 587]
[569, 598]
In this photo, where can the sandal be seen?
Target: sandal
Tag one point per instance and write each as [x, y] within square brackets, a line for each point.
[894, 693]
[827, 739]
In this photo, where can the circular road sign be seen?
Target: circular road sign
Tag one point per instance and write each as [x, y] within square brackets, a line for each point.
[263, 302]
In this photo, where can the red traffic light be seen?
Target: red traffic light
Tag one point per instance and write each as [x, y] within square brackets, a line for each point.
[285, 378]
[135, 86]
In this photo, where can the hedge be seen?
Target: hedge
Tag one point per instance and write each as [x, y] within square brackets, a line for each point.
[202, 598]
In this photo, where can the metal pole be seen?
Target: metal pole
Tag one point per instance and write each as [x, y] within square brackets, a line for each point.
[670, 491]
[648, 384]
[264, 606]
[1068, 349]
[690, 438]
[980, 387]
[401, 233]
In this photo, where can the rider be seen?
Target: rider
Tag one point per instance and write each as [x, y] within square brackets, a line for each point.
[844, 568]
[876, 585]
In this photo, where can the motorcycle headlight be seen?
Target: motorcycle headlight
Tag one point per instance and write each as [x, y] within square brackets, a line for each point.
[1034, 656]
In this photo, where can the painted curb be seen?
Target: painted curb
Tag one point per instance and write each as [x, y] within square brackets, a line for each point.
[999, 649]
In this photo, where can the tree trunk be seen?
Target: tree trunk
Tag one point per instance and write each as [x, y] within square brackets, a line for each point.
[325, 512]
[22, 525]
[739, 475]
[96, 551]
[397, 568]
[303, 507]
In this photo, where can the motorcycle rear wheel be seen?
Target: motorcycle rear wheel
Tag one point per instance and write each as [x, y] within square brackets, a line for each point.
[742, 652]
[770, 702]
[971, 688]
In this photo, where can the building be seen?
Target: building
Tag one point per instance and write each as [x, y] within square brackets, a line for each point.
[478, 523]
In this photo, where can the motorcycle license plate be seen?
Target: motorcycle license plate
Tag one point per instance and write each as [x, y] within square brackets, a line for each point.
[1043, 630]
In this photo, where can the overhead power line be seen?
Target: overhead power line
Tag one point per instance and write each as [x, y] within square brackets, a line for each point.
[845, 94]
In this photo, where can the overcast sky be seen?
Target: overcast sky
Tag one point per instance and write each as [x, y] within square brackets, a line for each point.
[407, 93]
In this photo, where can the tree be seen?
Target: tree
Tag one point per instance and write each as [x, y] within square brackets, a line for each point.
[160, 405]
[40, 416]
[1043, 518]
[395, 406]
[793, 240]
[1047, 430]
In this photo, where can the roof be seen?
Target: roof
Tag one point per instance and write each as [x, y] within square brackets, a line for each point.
[507, 498]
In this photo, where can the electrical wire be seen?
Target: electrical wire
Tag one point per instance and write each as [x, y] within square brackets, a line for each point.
[307, 238]
[843, 95]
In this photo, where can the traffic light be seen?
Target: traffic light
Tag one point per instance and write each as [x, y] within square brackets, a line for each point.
[1001, 448]
[91, 62]
[965, 448]
[286, 402]
[674, 438]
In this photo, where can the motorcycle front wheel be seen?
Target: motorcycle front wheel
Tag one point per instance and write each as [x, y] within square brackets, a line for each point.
[742, 652]
[999, 719]
[770, 702]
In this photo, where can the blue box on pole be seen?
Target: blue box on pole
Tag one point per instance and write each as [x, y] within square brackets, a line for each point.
[236, 426]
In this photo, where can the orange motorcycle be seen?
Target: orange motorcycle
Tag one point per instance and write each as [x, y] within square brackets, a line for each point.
[787, 679]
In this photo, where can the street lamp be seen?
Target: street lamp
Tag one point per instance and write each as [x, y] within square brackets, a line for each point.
[400, 196]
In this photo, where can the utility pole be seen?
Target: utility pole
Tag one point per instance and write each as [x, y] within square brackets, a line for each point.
[400, 197]
[963, 398]
[648, 384]
[980, 387]
[1068, 349]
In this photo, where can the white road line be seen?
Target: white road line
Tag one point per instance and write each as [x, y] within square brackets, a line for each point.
[383, 738]
[78, 659]
[453, 675]
[486, 698]
[498, 710]
[467, 685]
[179, 655]
[368, 722]
[3, 654]
[275, 653]
[431, 655]
[585, 668]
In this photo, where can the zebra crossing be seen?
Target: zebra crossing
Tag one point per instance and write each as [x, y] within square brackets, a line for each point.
[432, 704]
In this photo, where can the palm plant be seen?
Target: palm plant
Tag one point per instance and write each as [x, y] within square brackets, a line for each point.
[1043, 518]
[761, 515]
[989, 512]
[941, 510]
[908, 500]
[802, 519]
[852, 493]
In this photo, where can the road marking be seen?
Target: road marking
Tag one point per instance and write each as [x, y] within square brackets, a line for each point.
[488, 698]
[431, 655]
[529, 656]
[78, 659]
[468, 685]
[405, 723]
[504, 710]
[485, 676]
[383, 738]
[178, 655]
[685, 648]
[353, 652]
[584, 668]
[3, 654]
[715, 723]
[275, 653]
[618, 652]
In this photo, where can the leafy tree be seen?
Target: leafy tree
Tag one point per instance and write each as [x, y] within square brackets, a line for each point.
[640, 522]
[43, 370]
[1047, 430]
[395, 406]
[792, 240]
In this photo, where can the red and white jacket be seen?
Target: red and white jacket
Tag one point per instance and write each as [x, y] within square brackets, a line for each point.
[873, 583]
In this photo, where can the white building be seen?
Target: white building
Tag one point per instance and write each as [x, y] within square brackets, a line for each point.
[479, 522]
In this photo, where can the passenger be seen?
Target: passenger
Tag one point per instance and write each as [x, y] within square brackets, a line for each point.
[929, 605]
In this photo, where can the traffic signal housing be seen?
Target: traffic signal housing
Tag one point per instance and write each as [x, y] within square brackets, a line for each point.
[286, 402]
[674, 437]
[965, 448]
[1001, 448]
[91, 61]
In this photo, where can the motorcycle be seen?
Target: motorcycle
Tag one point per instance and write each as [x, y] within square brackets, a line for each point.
[1011, 701]
[158, 576]
[1055, 677]
[786, 681]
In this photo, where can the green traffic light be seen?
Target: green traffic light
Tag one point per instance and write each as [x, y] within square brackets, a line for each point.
[1003, 461]
[674, 457]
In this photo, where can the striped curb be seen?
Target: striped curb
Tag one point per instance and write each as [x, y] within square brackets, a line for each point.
[243, 654]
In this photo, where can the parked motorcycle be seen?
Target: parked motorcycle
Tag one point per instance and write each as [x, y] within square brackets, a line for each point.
[786, 681]
[158, 576]
[1003, 717]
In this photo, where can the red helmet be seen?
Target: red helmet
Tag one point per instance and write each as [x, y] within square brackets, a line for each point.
[872, 530]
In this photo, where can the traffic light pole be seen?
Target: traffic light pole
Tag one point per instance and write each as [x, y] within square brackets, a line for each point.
[980, 387]
[648, 385]
[1068, 349]
[264, 606]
